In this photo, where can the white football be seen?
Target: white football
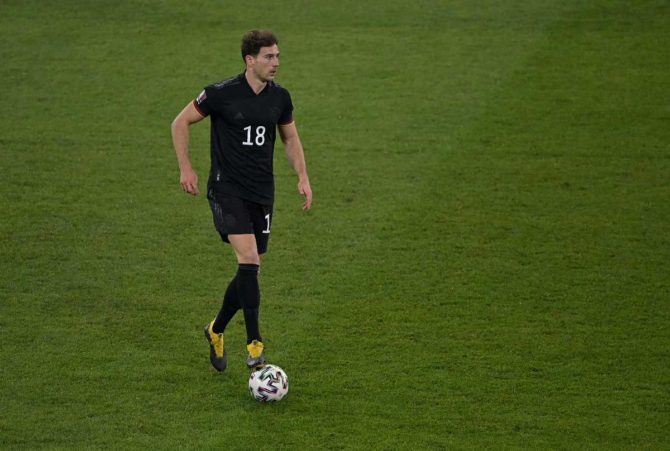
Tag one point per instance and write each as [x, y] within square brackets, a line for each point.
[269, 383]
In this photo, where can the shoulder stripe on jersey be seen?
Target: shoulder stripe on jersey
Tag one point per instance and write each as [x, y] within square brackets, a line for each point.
[228, 82]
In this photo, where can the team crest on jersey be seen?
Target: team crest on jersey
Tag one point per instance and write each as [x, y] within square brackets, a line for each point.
[201, 97]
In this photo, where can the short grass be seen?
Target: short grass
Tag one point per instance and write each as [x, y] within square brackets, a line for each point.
[486, 264]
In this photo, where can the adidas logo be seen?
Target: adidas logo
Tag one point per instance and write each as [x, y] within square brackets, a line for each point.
[239, 116]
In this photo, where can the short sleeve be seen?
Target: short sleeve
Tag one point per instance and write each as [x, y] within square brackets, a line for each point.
[203, 103]
[287, 113]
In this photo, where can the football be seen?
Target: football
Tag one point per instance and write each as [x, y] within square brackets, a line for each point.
[268, 383]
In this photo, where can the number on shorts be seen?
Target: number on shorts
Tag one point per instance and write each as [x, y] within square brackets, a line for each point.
[267, 223]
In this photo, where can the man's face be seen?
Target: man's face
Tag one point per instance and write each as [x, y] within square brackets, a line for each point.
[265, 64]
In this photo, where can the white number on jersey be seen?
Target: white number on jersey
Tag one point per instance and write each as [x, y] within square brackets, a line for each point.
[259, 139]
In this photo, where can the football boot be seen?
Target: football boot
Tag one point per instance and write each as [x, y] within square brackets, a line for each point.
[217, 352]
[256, 358]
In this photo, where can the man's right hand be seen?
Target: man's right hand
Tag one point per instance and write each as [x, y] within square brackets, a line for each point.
[189, 181]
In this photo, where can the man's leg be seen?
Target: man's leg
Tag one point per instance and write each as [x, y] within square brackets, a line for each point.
[246, 251]
[229, 307]
[218, 354]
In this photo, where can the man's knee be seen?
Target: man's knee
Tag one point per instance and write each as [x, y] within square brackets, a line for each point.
[249, 258]
[245, 249]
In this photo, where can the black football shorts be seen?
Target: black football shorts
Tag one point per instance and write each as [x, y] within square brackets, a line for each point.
[235, 216]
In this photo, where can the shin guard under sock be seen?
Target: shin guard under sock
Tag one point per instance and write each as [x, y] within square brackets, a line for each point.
[249, 296]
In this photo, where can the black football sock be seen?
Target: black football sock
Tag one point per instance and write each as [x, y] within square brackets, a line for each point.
[251, 322]
[250, 299]
[230, 306]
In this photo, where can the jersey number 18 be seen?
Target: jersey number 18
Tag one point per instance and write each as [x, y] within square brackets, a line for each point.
[259, 139]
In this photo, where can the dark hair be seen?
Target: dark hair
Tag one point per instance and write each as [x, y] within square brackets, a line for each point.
[253, 40]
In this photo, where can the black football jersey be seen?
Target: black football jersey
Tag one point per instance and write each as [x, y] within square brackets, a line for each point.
[243, 132]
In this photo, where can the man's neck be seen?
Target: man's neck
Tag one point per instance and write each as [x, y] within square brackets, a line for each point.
[256, 85]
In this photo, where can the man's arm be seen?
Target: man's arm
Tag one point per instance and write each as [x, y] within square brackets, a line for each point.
[187, 177]
[296, 157]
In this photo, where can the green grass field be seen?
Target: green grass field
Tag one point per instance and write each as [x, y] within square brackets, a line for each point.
[487, 263]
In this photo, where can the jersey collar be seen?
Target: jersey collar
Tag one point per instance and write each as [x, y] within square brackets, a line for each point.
[243, 77]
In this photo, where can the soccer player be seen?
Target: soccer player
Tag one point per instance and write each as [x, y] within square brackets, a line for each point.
[245, 112]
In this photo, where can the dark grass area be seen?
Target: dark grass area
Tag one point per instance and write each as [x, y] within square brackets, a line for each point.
[485, 266]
